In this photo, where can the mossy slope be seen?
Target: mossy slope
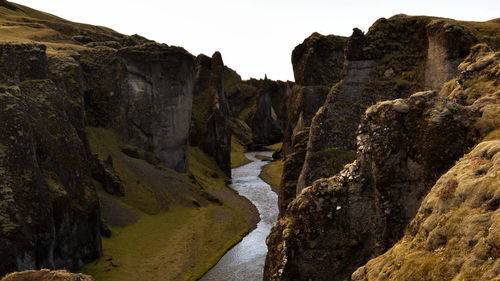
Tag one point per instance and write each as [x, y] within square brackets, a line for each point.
[455, 234]
[185, 222]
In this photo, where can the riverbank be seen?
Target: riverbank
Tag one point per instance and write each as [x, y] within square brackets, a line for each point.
[271, 174]
[245, 261]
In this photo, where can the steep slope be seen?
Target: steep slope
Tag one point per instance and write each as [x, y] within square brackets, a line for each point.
[454, 235]
[210, 121]
[49, 210]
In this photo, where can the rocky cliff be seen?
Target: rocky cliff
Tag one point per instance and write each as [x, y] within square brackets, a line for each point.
[210, 122]
[403, 146]
[144, 91]
[378, 67]
[454, 234]
[340, 222]
[49, 210]
[317, 64]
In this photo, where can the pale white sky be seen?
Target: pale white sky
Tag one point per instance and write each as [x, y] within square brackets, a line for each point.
[255, 37]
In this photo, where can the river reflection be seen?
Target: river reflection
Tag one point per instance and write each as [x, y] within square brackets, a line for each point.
[245, 261]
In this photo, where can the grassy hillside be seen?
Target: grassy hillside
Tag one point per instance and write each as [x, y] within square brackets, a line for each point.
[168, 225]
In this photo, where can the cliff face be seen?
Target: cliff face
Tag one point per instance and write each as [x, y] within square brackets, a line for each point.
[317, 64]
[265, 123]
[144, 91]
[340, 222]
[456, 227]
[49, 210]
[454, 235]
[316, 61]
[403, 146]
[210, 122]
[378, 67]
[156, 93]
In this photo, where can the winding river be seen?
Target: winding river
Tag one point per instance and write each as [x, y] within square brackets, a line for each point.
[245, 261]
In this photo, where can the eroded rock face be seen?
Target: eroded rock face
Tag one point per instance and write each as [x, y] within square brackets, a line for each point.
[156, 91]
[145, 91]
[337, 224]
[301, 105]
[397, 57]
[210, 128]
[449, 44]
[49, 211]
[265, 123]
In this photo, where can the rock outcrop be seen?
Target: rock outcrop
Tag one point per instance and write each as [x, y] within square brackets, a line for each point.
[337, 224]
[210, 127]
[265, 123]
[49, 210]
[145, 91]
[455, 234]
[46, 275]
[302, 103]
[317, 65]
[398, 56]
[156, 92]
[456, 227]
[318, 60]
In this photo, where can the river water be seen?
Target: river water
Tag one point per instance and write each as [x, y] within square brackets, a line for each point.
[245, 261]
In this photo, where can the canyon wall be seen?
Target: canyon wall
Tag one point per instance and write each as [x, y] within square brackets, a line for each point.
[341, 214]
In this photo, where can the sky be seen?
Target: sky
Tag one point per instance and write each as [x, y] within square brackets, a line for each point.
[255, 37]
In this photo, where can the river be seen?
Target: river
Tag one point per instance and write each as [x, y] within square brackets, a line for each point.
[245, 261]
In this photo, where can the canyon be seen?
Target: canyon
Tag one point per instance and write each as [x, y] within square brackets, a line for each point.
[116, 153]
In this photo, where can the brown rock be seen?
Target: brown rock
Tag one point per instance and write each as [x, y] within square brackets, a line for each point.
[46, 275]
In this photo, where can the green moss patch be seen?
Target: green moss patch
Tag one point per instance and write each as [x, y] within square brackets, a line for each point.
[274, 147]
[271, 174]
[330, 161]
[237, 153]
